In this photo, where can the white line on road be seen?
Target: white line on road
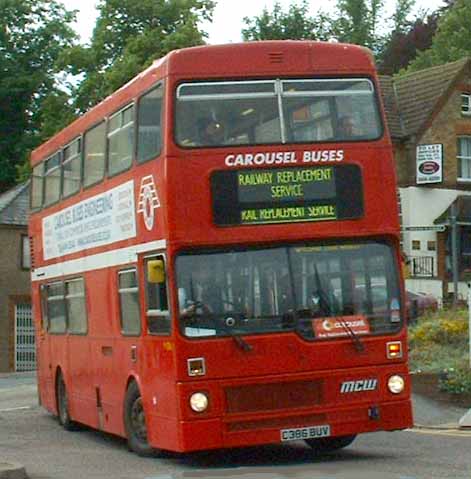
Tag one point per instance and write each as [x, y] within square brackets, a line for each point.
[16, 408]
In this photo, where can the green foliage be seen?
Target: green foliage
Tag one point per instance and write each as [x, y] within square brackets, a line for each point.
[438, 343]
[452, 40]
[128, 36]
[456, 380]
[357, 22]
[295, 24]
[33, 34]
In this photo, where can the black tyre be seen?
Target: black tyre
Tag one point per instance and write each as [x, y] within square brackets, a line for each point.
[63, 405]
[135, 423]
[328, 444]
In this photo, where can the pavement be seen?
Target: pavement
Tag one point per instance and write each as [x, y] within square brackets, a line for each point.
[429, 414]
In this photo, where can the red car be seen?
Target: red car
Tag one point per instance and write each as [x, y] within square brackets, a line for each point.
[419, 303]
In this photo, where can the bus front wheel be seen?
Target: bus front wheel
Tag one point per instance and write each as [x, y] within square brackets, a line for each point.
[63, 405]
[135, 423]
[328, 444]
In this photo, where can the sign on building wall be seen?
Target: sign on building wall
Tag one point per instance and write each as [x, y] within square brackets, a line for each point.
[96, 221]
[429, 164]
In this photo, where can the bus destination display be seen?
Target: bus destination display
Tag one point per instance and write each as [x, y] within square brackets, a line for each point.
[285, 195]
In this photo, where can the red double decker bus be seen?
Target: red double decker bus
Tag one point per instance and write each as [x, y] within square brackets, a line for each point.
[216, 254]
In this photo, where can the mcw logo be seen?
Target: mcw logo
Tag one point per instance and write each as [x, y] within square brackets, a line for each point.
[358, 386]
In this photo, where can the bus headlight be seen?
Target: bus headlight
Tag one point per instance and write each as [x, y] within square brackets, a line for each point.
[396, 384]
[199, 402]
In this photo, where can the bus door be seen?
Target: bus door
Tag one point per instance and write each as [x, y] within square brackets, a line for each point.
[45, 376]
[157, 360]
[78, 372]
[118, 331]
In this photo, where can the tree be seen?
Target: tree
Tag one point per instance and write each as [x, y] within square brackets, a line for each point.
[32, 35]
[451, 41]
[128, 36]
[357, 22]
[403, 47]
[295, 24]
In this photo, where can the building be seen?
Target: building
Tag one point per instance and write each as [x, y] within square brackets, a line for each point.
[429, 117]
[17, 346]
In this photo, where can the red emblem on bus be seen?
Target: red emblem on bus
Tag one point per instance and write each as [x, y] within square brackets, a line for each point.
[148, 201]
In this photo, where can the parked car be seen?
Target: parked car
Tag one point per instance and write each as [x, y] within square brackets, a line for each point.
[419, 303]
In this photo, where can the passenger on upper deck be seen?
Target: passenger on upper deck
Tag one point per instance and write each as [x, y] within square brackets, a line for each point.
[210, 132]
[345, 127]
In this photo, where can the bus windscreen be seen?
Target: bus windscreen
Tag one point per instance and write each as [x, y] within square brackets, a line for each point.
[305, 288]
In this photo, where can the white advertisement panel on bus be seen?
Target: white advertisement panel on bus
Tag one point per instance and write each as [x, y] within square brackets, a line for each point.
[96, 221]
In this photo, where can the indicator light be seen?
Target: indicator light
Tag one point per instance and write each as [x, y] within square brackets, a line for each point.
[394, 350]
[196, 367]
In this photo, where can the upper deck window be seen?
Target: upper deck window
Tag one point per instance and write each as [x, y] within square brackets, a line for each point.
[94, 155]
[37, 186]
[52, 185]
[121, 140]
[72, 166]
[227, 113]
[277, 111]
[149, 138]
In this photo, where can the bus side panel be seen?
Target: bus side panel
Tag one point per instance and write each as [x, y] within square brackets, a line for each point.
[81, 392]
[105, 332]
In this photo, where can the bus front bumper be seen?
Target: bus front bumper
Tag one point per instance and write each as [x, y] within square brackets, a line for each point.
[214, 433]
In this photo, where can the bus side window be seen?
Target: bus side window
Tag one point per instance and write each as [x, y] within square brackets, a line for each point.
[72, 168]
[52, 179]
[37, 186]
[75, 305]
[56, 312]
[94, 154]
[157, 313]
[120, 140]
[129, 302]
[149, 142]
[43, 309]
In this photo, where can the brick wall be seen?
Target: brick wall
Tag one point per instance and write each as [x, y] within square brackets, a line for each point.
[13, 282]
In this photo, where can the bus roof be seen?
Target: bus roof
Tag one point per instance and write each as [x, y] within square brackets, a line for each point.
[267, 58]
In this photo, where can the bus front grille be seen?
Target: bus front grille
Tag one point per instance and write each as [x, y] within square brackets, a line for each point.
[273, 396]
[276, 422]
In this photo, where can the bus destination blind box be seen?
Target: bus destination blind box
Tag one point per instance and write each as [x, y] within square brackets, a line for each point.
[286, 195]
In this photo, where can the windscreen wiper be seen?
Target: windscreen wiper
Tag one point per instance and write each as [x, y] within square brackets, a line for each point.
[359, 346]
[241, 343]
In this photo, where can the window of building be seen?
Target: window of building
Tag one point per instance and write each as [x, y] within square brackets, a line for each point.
[94, 155]
[149, 142]
[25, 252]
[416, 244]
[37, 185]
[75, 306]
[464, 158]
[431, 245]
[129, 302]
[157, 313]
[120, 140]
[55, 307]
[72, 168]
[466, 103]
[52, 179]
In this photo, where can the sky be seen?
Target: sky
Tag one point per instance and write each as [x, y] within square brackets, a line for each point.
[227, 18]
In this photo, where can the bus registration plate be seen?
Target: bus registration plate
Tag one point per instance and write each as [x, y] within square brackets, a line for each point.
[310, 432]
